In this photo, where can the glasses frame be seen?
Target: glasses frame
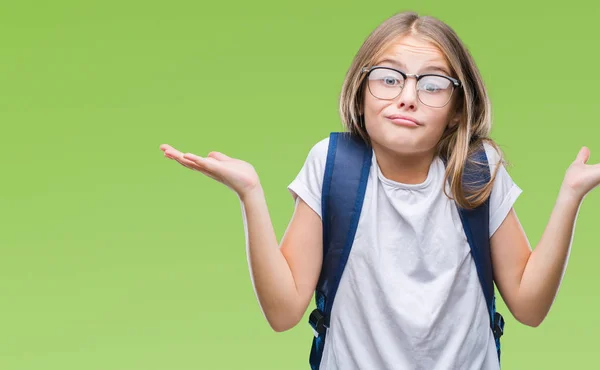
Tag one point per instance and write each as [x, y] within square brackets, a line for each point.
[455, 83]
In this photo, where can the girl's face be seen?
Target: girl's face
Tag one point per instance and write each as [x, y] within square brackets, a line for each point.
[409, 54]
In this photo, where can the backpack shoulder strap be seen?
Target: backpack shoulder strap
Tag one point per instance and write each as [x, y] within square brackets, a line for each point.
[344, 185]
[476, 226]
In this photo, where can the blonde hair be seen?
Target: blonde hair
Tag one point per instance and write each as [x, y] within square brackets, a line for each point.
[459, 142]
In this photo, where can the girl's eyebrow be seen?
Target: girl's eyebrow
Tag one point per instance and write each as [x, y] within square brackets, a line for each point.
[401, 65]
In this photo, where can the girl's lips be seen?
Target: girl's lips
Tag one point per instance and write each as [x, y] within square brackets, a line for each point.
[403, 122]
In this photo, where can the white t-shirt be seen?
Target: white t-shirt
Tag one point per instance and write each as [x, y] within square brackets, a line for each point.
[409, 297]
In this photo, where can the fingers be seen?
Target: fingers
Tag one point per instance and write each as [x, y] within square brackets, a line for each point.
[219, 156]
[170, 151]
[208, 166]
[173, 154]
[583, 155]
[193, 166]
[178, 156]
[216, 155]
[184, 162]
[208, 163]
[205, 165]
[192, 157]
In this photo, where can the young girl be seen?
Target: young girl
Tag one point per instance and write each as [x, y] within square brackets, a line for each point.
[409, 297]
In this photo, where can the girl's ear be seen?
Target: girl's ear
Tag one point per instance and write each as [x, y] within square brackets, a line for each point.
[454, 122]
[457, 107]
[455, 119]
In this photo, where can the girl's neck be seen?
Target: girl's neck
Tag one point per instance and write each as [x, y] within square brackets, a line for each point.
[403, 168]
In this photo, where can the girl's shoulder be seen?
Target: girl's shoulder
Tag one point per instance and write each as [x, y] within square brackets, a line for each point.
[318, 152]
[493, 153]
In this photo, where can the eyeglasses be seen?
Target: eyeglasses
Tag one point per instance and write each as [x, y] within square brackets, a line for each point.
[433, 90]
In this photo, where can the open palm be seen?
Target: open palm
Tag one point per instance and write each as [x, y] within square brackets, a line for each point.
[236, 174]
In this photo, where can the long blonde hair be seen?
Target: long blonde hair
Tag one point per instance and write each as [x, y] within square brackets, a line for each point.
[459, 142]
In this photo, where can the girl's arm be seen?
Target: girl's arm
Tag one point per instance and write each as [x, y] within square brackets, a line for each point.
[284, 279]
[529, 281]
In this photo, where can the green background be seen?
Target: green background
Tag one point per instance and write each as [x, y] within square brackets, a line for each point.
[113, 257]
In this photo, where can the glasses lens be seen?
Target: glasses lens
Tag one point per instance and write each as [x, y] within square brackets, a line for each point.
[435, 91]
[385, 83]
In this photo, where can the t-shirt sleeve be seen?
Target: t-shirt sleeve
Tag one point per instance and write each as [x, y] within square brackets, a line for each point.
[504, 191]
[309, 182]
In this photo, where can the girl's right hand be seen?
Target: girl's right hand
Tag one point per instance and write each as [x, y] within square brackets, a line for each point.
[236, 174]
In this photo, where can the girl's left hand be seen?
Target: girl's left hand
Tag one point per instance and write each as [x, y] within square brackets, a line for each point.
[581, 178]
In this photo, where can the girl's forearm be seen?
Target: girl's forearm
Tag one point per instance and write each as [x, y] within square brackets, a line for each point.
[547, 264]
[271, 276]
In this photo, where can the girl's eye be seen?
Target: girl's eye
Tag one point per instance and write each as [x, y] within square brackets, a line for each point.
[434, 84]
[391, 81]
[386, 78]
[431, 88]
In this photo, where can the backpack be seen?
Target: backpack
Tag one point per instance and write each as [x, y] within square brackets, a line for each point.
[344, 185]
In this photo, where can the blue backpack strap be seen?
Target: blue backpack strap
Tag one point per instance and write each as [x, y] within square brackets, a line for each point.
[344, 185]
[476, 226]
